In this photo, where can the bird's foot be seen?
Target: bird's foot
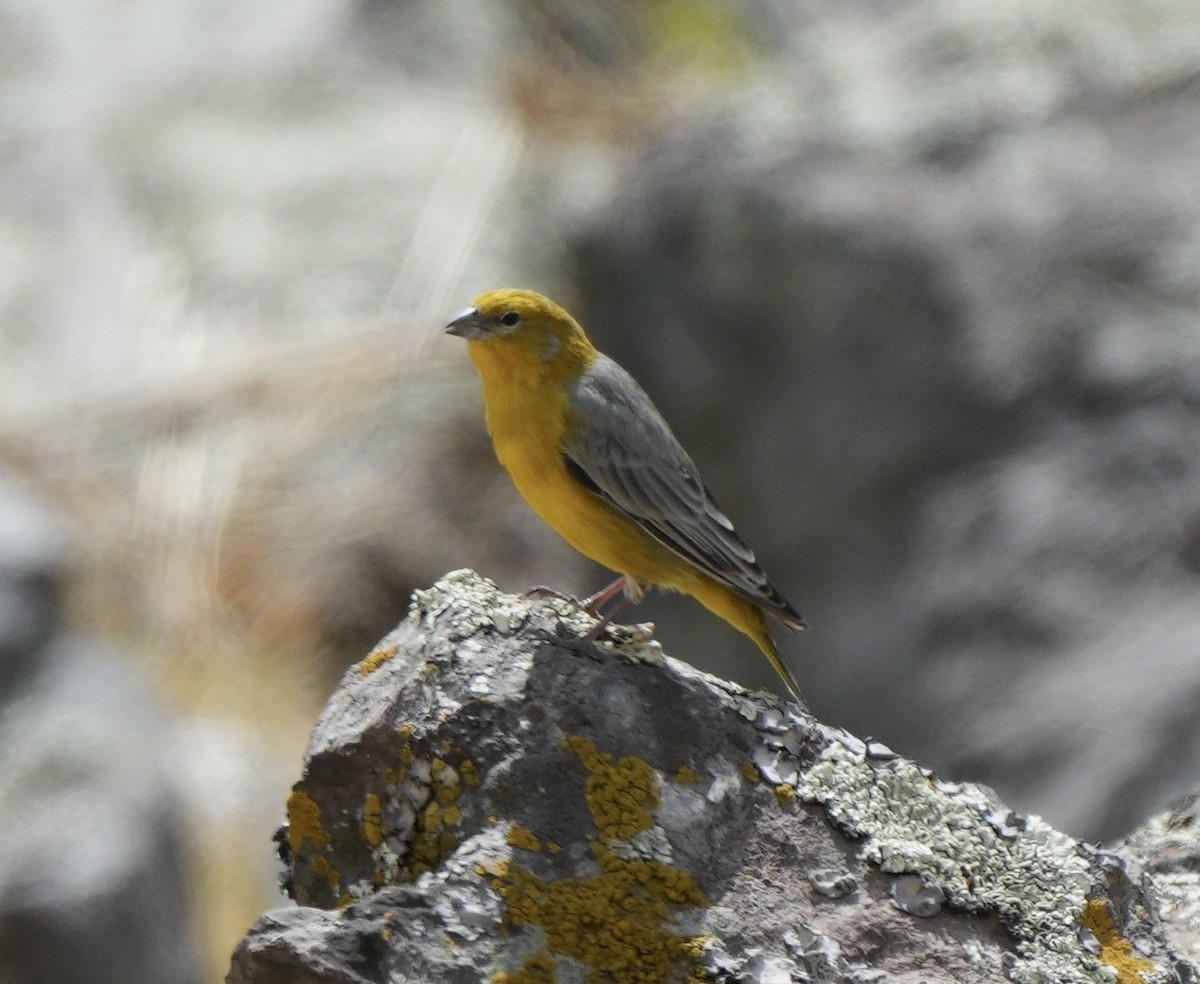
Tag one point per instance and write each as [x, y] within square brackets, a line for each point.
[588, 643]
[593, 604]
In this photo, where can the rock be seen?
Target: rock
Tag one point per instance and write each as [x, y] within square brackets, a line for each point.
[91, 880]
[33, 557]
[1167, 849]
[491, 796]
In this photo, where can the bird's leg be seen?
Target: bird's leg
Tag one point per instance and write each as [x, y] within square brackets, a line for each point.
[597, 630]
[591, 605]
[632, 591]
[594, 603]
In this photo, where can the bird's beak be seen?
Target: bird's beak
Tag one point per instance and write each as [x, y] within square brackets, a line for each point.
[470, 324]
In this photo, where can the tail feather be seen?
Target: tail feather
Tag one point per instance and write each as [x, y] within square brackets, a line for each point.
[788, 619]
[767, 645]
[748, 618]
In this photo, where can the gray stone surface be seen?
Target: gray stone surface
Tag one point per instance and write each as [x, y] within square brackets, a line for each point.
[33, 558]
[91, 871]
[489, 792]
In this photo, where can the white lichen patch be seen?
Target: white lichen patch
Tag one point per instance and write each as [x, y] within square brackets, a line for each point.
[776, 765]
[448, 775]
[1036, 880]
[467, 909]
[388, 856]
[470, 603]
[727, 779]
[911, 894]
[784, 737]
[462, 897]
[570, 621]
[645, 845]
[634, 642]
[1178, 897]
[984, 957]
[421, 770]
[751, 705]
[833, 883]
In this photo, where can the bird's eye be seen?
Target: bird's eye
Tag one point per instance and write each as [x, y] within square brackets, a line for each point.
[510, 319]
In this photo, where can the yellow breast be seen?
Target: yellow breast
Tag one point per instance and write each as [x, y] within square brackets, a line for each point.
[528, 414]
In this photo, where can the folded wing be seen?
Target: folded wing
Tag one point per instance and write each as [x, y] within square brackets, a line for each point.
[620, 448]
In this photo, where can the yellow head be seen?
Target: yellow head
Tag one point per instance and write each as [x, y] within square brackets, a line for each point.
[517, 328]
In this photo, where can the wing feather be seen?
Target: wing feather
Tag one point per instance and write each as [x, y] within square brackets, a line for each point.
[620, 448]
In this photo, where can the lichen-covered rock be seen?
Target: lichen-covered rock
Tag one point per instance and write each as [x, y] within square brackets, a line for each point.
[1167, 849]
[491, 796]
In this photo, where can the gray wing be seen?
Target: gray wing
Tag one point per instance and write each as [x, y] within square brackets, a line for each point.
[623, 451]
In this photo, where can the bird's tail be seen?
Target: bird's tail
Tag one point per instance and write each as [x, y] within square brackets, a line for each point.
[767, 645]
[748, 618]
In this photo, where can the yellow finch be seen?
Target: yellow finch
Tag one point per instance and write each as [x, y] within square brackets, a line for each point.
[596, 461]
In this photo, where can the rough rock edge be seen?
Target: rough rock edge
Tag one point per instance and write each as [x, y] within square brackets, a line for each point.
[1075, 913]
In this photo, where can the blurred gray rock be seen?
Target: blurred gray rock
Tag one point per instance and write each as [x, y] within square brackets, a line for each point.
[33, 557]
[947, 385]
[490, 792]
[91, 881]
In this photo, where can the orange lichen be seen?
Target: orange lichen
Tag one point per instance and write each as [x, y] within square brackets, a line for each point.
[619, 922]
[620, 794]
[376, 658]
[304, 822]
[1115, 950]
[372, 820]
[519, 836]
[325, 872]
[538, 969]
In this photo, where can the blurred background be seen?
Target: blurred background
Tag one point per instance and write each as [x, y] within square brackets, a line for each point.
[917, 283]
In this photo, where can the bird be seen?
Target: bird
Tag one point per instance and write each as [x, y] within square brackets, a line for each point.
[596, 461]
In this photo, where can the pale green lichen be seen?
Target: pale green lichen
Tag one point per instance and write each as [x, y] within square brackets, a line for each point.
[1169, 846]
[469, 603]
[1034, 877]
[645, 845]
[464, 603]
[1177, 894]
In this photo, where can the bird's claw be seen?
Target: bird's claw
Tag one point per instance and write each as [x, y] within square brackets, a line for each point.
[540, 592]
